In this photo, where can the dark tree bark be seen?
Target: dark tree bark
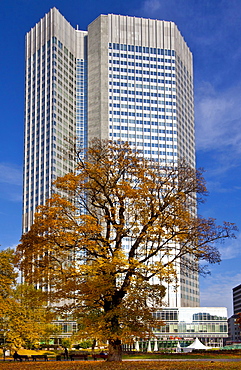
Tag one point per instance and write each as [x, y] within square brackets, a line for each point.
[93, 345]
[115, 350]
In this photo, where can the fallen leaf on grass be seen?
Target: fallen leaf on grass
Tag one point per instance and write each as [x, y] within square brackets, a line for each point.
[135, 365]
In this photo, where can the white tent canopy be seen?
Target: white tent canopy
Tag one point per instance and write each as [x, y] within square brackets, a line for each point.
[137, 347]
[155, 345]
[178, 349]
[149, 347]
[197, 345]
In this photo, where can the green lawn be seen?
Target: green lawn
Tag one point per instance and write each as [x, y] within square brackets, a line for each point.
[203, 355]
[132, 365]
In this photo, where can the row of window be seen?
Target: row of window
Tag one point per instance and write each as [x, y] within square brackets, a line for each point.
[205, 316]
[142, 57]
[140, 71]
[142, 49]
[45, 60]
[156, 145]
[146, 107]
[190, 282]
[135, 78]
[189, 328]
[140, 86]
[142, 137]
[145, 115]
[189, 290]
[143, 122]
[189, 298]
[142, 65]
[148, 101]
[145, 129]
[60, 45]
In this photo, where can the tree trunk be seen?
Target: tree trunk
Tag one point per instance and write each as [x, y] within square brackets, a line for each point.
[115, 350]
[93, 345]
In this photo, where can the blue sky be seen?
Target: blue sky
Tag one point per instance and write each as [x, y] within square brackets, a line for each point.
[212, 29]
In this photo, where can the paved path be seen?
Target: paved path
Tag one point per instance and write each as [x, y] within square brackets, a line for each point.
[156, 360]
[189, 359]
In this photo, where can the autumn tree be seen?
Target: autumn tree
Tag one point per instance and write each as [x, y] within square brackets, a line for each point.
[29, 318]
[8, 275]
[25, 318]
[8, 278]
[112, 235]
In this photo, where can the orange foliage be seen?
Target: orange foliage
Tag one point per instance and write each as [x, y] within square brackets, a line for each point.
[238, 320]
[7, 274]
[135, 365]
[78, 242]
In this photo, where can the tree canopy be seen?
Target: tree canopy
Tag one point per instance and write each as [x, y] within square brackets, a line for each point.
[111, 236]
[25, 319]
[8, 275]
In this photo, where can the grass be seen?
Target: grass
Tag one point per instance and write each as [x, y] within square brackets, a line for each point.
[229, 354]
[194, 364]
[130, 365]
[203, 355]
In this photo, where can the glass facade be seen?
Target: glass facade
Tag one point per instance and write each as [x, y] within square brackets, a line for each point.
[55, 109]
[149, 105]
[142, 100]
[190, 322]
[132, 83]
[81, 104]
[49, 122]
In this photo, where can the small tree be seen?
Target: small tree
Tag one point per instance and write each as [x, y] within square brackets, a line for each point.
[24, 316]
[101, 243]
[8, 275]
[27, 317]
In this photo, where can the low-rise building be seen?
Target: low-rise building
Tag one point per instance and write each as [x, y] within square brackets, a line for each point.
[237, 299]
[184, 324]
[233, 330]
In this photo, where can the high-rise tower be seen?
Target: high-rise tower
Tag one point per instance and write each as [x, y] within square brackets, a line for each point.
[140, 86]
[126, 79]
[55, 106]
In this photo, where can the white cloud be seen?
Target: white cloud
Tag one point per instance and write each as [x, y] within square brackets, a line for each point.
[151, 6]
[232, 250]
[10, 174]
[218, 186]
[218, 118]
[12, 246]
[15, 197]
[217, 290]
